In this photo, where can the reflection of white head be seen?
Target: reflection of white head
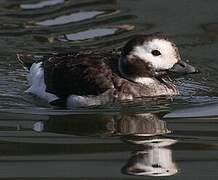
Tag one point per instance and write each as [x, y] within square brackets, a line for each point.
[156, 161]
[38, 126]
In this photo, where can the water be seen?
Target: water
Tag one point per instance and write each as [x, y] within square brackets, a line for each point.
[134, 140]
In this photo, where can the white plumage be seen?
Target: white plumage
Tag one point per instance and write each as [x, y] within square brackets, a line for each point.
[36, 81]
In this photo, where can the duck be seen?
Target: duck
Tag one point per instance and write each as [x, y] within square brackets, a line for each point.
[143, 68]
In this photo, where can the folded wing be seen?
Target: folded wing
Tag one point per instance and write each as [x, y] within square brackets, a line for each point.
[66, 75]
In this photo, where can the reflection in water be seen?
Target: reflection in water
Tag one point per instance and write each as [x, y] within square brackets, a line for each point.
[195, 112]
[41, 4]
[88, 34]
[148, 124]
[74, 17]
[154, 160]
[154, 157]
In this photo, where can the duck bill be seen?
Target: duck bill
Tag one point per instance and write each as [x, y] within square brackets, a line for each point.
[181, 68]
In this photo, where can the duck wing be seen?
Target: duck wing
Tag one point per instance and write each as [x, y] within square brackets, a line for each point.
[78, 75]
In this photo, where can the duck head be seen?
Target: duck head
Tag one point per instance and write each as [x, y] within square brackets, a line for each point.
[151, 56]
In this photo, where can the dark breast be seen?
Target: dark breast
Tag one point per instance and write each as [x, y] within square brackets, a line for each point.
[80, 74]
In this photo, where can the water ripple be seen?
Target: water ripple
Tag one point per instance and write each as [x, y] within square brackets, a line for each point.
[88, 34]
[41, 4]
[74, 17]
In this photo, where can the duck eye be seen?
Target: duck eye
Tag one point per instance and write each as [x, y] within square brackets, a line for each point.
[156, 53]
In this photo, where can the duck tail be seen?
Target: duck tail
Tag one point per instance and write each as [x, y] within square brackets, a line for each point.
[26, 60]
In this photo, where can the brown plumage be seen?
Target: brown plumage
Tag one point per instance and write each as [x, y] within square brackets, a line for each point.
[80, 74]
[91, 74]
[140, 70]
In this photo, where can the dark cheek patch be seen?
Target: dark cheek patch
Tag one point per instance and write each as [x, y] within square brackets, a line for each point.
[135, 67]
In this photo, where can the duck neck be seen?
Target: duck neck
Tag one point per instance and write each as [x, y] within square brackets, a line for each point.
[136, 70]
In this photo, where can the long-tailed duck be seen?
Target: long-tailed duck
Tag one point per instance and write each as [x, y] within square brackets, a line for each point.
[83, 79]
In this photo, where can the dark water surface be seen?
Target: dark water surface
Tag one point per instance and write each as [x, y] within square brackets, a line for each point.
[175, 138]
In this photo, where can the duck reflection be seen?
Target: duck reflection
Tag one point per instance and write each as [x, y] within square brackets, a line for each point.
[153, 156]
[155, 159]
[148, 124]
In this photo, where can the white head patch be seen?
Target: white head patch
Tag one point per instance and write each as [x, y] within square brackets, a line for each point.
[168, 53]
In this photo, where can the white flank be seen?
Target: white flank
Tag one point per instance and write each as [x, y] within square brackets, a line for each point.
[144, 80]
[82, 101]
